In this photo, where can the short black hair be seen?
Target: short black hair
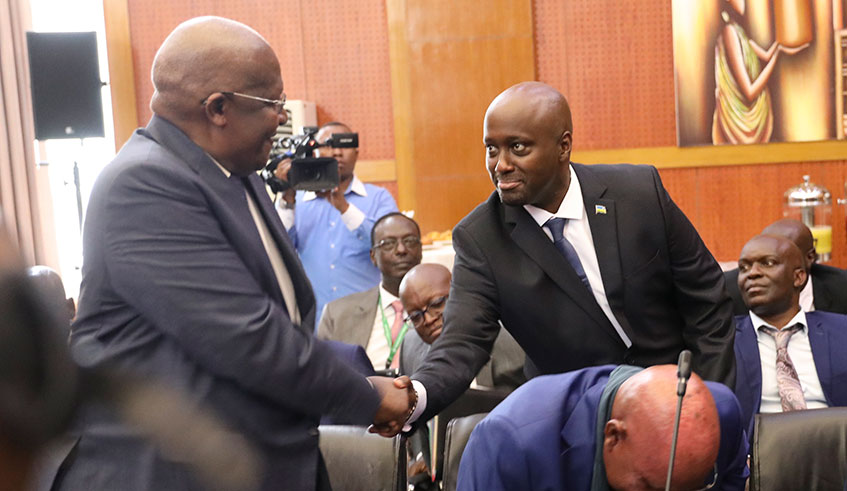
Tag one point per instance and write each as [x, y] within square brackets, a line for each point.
[386, 217]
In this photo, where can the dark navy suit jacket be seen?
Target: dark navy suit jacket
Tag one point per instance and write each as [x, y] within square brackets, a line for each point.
[542, 437]
[828, 339]
[177, 287]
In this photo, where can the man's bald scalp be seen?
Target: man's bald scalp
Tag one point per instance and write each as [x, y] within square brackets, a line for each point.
[204, 55]
[426, 273]
[543, 98]
[647, 401]
[793, 230]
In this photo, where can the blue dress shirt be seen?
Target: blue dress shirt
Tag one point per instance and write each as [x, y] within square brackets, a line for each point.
[335, 248]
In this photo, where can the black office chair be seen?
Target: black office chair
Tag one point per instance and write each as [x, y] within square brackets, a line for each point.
[458, 432]
[473, 401]
[360, 461]
[800, 450]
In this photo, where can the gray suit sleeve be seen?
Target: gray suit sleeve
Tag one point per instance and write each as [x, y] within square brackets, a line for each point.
[168, 256]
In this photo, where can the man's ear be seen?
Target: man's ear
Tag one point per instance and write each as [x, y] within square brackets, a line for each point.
[373, 257]
[614, 433]
[800, 277]
[565, 144]
[215, 109]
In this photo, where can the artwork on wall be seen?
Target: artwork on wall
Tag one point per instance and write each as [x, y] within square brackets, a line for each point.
[759, 71]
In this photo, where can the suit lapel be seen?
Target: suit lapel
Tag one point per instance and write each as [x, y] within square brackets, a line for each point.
[748, 350]
[819, 342]
[531, 240]
[361, 321]
[302, 286]
[602, 219]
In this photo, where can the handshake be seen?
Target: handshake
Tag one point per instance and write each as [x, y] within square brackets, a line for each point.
[399, 400]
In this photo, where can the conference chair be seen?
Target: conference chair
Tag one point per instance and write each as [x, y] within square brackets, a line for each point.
[360, 461]
[800, 450]
[473, 401]
[458, 432]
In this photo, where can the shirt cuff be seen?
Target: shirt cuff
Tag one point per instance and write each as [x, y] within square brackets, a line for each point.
[353, 217]
[285, 214]
[421, 390]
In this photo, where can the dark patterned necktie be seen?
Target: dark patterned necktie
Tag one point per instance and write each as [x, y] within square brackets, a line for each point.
[787, 381]
[556, 226]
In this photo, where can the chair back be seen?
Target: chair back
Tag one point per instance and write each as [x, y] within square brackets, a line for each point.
[800, 450]
[458, 432]
[360, 461]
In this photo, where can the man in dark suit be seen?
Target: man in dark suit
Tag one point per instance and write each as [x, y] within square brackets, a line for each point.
[808, 368]
[608, 427]
[826, 288]
[627, 280]
[190, 279]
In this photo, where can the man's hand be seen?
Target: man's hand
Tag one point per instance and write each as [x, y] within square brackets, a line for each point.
[398, 397]
[281, 173]
[336, 196]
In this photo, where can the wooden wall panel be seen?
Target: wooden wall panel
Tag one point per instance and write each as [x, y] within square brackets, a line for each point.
[334, 53]
[449, 59]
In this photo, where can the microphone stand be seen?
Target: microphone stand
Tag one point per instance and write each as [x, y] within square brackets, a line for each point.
[683, 371]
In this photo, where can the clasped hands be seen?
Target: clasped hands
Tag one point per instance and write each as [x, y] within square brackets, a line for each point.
[398, 401]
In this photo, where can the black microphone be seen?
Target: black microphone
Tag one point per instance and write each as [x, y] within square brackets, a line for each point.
[683, 371]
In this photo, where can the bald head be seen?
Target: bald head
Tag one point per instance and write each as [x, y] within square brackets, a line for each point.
[797, 232]
[420, 291]
[537, 98]
[204, 55]
[637, 439]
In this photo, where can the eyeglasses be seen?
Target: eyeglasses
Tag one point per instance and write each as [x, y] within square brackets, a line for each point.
[390, 244]
[417, 317]
[278, 104]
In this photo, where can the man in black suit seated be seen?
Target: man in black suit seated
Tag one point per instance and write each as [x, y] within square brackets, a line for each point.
[826, 288]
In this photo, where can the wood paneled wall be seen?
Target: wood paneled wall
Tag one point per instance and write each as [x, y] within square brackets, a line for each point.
[449, 58]
[414, 78]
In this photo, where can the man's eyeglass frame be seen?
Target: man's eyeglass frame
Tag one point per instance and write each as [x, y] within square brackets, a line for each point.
[278, 104]
[417, 317]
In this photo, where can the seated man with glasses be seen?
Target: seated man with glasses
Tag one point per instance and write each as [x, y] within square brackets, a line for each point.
[373, 319]
[330, 229]
[608, 427]
[424, 291]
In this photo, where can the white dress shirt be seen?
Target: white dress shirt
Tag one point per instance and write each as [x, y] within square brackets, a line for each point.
[378, 348]
[807, 299]
[800, 352]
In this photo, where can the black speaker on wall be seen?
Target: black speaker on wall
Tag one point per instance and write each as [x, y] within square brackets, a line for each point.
[65, 76]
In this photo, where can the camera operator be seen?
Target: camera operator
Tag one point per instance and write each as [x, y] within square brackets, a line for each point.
[332, 229]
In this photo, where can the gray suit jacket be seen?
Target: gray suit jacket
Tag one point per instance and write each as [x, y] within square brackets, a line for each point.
[177, 287]
[350, 319]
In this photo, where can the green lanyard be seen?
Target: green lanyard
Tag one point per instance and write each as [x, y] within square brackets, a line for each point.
[396, 344]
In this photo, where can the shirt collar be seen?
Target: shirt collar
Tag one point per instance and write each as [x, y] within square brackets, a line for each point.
[571, 206]
[386, 298]
[356, 186]
[758, 322]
